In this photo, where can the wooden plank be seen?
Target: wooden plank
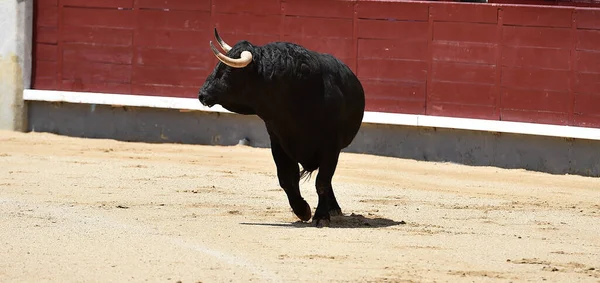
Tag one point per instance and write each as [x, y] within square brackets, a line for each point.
[98, 3]
[45, 69]
[587, 104]
[395, 106]
[535, 79]
[588, 40]
[48, 83]
[590, 121]
[321, 27]
[165, 90]
[46, 16]
[587, 83]
[461, 110]
[174, 76]
[462, 93]
[175, 57]
[341, 48]
[247, 24]
[97, 53]
[399, 70]
[391, 49]
[174, 20]
[256, 39]
[46, 3]
[537, 16]
[534, 117]
[537, 37]
[97, 36]
[398, 90]
[392, 10]
[184, 5]
[465, 73]
[260, 7]
[588, 62]
[46, 52]
[96, 72]
[112, 18]
[588, 19]
[450, 12]
[319, 8]
[543, 58]
[464, 32]
[46, 35]
[173, 39]
[538, 100]
[464, 52]
[409, 31]
[103, 87]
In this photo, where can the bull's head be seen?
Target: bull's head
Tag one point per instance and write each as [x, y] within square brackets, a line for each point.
[230, 81]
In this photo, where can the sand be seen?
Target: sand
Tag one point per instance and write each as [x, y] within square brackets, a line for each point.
[93, 210]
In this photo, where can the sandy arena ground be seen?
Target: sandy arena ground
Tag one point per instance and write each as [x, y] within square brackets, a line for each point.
[83, 210]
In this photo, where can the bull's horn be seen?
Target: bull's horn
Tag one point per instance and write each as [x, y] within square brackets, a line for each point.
[222, 43]
[243, 61]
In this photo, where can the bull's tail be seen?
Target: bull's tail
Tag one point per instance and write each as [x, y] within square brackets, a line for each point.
[306, 174]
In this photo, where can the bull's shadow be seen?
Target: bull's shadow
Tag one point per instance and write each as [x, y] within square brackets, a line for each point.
[344, 221]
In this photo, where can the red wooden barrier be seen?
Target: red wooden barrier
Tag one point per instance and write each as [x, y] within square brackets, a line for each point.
[499, 62]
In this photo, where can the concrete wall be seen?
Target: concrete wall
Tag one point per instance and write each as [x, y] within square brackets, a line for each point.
[539, 153]
[16, 21]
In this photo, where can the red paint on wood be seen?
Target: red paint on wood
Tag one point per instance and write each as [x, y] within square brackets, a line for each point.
[256, 39]
[534, 117]
[535, 79]
[46, 16]
[588, 40]
[391, 49]
[410, 32]
[392, 10]
[101, 36]
[464, 52]
[112, 18]
[248, 24]
[45, 69]
[320, 8]
[537, 16]
[96, 72]
[544, 58]
[535, 100]
[166, 90]
[98, 3]
[464, 13]
[173, 39]
[395, 106]
[591, 121]
[378, 89]
[46, 3]
[261, 7]
[588, 19]
[174, 76]
[175, 57]
[587, 83]
[46, 52]
[48, 83]
[46, 35]
[587, 104]
[462, 93]
[185, 5]
[174, 20]
[461, 110]
[341, 48]
[464, 32]
[537, 37]
[588, 62]
[104, 87]
[321, 27]
[465, 73]
[400, 70]
[97, 53]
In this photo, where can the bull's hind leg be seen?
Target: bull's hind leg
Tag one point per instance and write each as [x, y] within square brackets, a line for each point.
[327, 199]
[288, 173]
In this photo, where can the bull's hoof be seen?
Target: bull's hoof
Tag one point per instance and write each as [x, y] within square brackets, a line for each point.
[320, 223]
[303, 212]
[336, 212]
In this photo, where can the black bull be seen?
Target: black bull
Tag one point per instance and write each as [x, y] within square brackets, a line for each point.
[311, 103]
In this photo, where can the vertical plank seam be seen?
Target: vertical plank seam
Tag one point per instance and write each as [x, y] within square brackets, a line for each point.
[134, 48]
[573, 68]
[428, 82]
[499, 47]
[59, 46]
[355, 35]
